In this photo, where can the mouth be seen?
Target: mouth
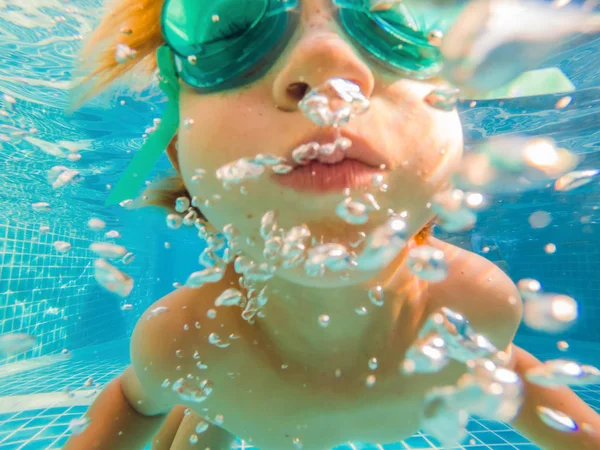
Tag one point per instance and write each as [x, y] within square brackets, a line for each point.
[351, 164]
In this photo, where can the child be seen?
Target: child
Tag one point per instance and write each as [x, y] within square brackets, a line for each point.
[317, 364]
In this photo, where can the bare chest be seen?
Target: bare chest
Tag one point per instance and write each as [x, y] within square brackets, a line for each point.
[285, 408]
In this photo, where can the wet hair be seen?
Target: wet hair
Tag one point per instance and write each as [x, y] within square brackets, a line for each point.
[135, 24]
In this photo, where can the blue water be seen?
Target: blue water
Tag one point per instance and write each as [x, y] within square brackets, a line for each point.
[55, 297]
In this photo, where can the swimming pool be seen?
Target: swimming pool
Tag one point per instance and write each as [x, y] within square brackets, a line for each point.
[54, 296]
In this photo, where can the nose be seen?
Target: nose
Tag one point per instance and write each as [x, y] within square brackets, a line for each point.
[315, 59]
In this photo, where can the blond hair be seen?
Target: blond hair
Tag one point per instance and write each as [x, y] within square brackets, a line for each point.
[136, 25]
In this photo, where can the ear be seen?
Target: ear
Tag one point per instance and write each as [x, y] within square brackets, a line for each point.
[172, 153]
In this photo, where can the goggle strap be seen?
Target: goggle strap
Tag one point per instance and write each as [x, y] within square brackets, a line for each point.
[547, 81]
[148, 155]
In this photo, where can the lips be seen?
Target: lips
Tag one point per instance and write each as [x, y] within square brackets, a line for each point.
[352, 168]
[360, 150]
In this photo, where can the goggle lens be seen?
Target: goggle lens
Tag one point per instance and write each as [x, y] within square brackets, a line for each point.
[219, 44]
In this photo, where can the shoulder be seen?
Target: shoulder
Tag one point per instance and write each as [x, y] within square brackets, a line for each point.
[172, 340]
[481, 291]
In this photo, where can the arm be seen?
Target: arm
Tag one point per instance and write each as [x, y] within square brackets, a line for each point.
[114, 423]
[491, 302]
[561, 399]
[128, 412]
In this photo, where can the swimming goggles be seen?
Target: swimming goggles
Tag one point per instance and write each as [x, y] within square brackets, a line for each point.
[216, 45]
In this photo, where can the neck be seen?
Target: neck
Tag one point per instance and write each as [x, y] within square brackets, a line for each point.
[292, 319]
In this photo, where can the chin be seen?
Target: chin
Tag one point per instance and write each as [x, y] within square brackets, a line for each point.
[330, 280]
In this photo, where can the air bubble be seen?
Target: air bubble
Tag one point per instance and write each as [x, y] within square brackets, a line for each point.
[95, 224]
[268, 224]
[540, 219]
[373, 363]
[560, 372]
[378, 180]
[454, 214]
[550, 313]
[435, 38]
[60, 176]
[361, 311]
[230, 297]
[78, 426]
[563, 102]
[428, 263]
[383, 245]
[215, 340]
[324, 320]
[573, 180]
[123, 53]
[426, 355]
[282, 169]
[376, 295]
[193, 439]
[528, 287]
[239, 172]
[306, 153]
[41, 207]
[370, 381]
[352, 212]
[112, 279]
[209, 275]
[556, 419]
[182, 204]
[157, 311]
[192, 390]
[202, 427]
[334, 257]
[443, 98]
[108, 250]
[128, 258]
[62, 246]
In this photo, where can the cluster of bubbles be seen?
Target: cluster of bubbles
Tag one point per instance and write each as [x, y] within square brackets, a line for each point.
[331, 104]
[498, 165]
[192, 388]
[105, 273]
[488, 389]
[334, 103]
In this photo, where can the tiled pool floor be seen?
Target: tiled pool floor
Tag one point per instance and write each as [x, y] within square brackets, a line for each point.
[36, 406]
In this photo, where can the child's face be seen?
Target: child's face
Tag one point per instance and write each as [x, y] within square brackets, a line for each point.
[420, 145]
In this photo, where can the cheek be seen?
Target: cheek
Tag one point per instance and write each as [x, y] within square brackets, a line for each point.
[225, 128]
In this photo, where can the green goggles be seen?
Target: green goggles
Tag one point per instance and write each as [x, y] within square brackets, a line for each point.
[222, 44]
[215, 45]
